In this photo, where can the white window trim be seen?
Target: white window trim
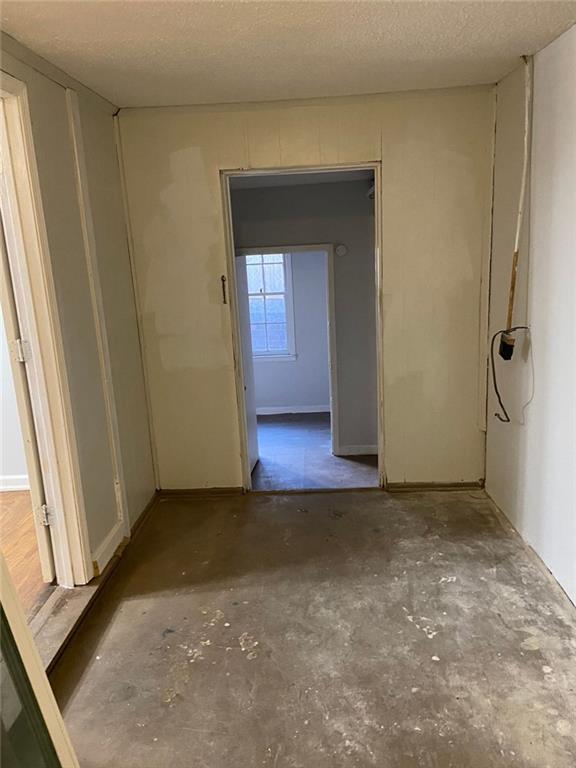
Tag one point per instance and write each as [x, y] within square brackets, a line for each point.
[290, 355]
[263, 357]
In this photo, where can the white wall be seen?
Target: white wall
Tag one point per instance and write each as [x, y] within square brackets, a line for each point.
[531, 462]
[288, 386]
[55, 158]
[119, 305]
[51, 121]
[436, 153]
[13, 469]
[333, 213]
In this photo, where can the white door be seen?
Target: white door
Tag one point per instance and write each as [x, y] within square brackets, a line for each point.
[247, 364]
[19, 362]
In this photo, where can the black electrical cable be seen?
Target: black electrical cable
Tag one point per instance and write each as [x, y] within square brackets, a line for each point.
[505, 418]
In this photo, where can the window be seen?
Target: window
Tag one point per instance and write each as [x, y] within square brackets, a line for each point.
[271, 305]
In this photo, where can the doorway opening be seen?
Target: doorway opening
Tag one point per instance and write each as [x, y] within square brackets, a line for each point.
[25, 505]
[304, 274]
[42, 525]
[21, 492]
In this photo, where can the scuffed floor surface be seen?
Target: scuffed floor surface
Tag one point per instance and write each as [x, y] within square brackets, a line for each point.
[295, 451]
[325, 630]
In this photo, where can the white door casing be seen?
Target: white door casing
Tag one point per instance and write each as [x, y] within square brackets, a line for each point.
[247, 362]
[226, 175]
[21, 364]
[32, 280]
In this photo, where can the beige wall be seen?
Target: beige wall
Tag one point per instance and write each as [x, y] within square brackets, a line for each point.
[531, 461]
[436, 153]
[54, 149]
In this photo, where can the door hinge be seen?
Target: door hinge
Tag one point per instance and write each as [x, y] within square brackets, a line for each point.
[45, 515]
[21, 350]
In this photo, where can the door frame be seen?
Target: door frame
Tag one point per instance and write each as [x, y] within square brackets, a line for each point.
[24, 379]
[328, 249]
[243, 304]
[225, 176]
[32, 280]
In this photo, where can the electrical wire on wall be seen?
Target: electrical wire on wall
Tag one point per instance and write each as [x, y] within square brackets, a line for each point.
[507, 339]
[503, 416]
[506, 335]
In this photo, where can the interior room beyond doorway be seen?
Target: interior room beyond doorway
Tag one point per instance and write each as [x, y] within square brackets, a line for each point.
[296, 453]
[18, 540]
[305, 280]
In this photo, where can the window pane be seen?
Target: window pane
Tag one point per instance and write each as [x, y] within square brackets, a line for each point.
[258, 338]
[274, 278]
[254, 259]
[256, 309]
[275, 309]
[255, 284]
[277, 337]
[273, 258]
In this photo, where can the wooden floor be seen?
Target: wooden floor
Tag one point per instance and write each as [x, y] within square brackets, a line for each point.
[18, 544]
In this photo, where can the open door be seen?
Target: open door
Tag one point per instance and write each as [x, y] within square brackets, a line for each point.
[32, 730]
[19, 360]
[247, 366]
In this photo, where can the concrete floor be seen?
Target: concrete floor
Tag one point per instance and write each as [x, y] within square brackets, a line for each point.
[325, 630]
[296, 454]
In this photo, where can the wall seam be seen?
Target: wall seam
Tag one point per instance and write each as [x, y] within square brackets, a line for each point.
[136, 296]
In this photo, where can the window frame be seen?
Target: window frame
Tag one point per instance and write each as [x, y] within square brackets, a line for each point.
[290, 355]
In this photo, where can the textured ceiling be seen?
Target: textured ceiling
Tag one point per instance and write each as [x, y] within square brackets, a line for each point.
[161, 53]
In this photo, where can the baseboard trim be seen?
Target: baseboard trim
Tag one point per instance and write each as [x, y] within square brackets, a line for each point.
[143, 516]
[309, 491]
[357, 450]
[14, 483]
[280, 410]
[196, 493]
[413, 487]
